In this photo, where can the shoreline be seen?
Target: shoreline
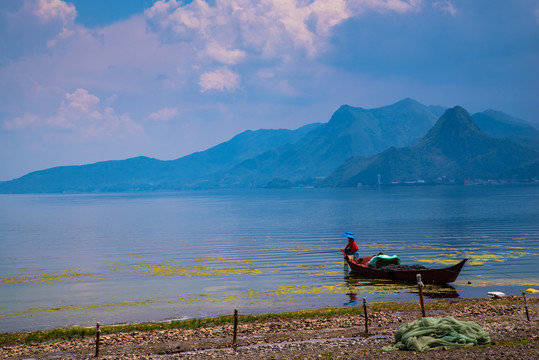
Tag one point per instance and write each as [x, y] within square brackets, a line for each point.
[116, 314]
[336, 332]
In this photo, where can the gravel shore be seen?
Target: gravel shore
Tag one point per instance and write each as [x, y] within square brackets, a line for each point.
[338, 337]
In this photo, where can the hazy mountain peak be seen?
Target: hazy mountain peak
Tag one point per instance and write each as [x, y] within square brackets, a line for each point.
[346, 115]
[407, 102]
[455, 149]
[456, 123]
[499, 124]
[347, 109]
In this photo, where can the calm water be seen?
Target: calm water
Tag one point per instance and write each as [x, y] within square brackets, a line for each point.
[69, 260]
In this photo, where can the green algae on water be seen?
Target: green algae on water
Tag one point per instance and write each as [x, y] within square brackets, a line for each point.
[45, 277]
[160, 269]
[110, 306]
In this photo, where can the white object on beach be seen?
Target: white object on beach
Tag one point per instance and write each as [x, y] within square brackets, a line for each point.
[496, 294]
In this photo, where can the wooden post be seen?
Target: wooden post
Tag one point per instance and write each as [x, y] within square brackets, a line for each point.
[82, 334]
[234, 341]
[97, 336]
[366, 316]
[526, 306]
[420, 287]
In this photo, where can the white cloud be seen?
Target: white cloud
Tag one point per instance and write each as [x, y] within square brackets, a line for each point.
[222, 39]
[164, 114]
[328, 14]
[78, 107]
[220, 79]
[111, 125]
[399, 6]
[111, 98]
[81, 99]
[56, 12]
[229, 29]
[34, 25]
[224, 55]
[81, 115]
[22, 122]
[446, 6]
[64, 34]
[48, 10]
[233, 32]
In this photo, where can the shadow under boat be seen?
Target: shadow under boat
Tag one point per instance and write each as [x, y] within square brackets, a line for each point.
[357, 283]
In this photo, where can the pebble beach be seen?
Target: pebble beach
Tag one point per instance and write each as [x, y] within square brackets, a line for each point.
[312, 337]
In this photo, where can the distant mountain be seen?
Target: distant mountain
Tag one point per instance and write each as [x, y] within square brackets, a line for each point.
[351, 131]
[354, 146]
[142, 173]
[500, 125]
[192, 169]
[453, 150]
[116, 175]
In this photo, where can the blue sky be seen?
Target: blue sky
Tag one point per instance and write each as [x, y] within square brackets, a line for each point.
[85, 81]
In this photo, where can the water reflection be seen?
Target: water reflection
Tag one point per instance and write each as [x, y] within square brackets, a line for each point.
[358, 284]
[271, 250]
[353, 298]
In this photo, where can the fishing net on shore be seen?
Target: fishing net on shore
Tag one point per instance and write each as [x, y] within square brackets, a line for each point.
[437, 333]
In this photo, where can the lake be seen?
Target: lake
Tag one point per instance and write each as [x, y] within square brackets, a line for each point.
[73, 260]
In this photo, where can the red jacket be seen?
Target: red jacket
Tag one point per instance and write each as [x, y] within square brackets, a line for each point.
[352, 246]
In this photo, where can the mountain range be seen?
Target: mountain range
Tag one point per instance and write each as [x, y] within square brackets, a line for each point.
[454, 150]
[143, 173]
[403, 142]
[350, 131]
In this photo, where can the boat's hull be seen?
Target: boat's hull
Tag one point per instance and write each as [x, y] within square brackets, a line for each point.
[428, 276]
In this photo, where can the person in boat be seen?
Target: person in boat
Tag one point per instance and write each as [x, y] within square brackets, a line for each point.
[351, 248]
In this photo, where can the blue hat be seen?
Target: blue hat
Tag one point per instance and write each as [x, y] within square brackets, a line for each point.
[349, 235]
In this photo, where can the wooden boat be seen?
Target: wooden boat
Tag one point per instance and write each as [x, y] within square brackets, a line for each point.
[362, 267]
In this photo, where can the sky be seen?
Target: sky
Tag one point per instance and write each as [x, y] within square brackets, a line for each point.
[85, 81]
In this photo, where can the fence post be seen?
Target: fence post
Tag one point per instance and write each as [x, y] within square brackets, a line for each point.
[366, 316]
[526, 306]
[420, 287]
[97, 336]
[234, 341]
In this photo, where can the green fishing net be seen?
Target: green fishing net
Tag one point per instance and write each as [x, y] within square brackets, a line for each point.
[437, 333]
